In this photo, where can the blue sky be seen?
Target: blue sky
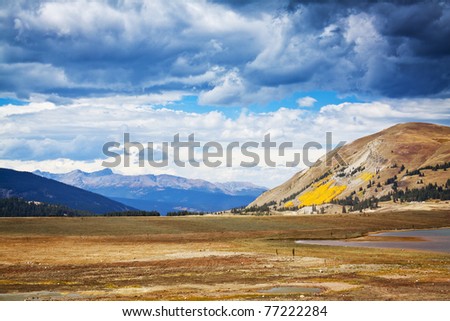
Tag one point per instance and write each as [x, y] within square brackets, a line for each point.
[76, 74]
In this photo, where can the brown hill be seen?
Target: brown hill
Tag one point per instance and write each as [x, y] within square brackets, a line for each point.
[400, 157]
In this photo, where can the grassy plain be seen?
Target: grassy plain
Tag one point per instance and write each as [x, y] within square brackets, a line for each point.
[216, 258]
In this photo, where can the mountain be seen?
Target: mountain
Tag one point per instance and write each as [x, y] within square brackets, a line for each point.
[163, 193]
[386, 165]
[32, 187]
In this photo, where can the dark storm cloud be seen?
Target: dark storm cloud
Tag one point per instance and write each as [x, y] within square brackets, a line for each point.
[417, 55]
[409, 56]
[225, 51]
[424, 28]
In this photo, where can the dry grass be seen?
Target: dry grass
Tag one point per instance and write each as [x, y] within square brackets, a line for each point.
[194, 258]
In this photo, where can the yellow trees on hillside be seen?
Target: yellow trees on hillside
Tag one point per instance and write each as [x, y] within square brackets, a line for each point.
[324, 193]
[366, 176]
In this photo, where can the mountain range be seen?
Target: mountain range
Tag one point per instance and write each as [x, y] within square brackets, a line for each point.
[162, 193]
[32, 187]
[404, 162]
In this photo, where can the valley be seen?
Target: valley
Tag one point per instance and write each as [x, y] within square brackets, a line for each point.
[217, 258]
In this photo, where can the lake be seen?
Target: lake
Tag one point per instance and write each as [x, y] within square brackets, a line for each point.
[436, 240]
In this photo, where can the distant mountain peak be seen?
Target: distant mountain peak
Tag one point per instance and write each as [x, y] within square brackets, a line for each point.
[103, 172]
[106, 177]
[158, 190]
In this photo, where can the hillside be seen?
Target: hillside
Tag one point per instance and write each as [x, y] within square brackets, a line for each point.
[401, 158]
[162, 193]
[35, 188]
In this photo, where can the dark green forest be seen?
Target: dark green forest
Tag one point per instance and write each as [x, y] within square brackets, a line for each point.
[430, 191]
[17, 207]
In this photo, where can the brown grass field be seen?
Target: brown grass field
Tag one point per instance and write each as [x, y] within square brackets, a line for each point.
[216, 258]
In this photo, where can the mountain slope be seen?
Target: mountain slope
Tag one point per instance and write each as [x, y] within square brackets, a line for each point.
[32, 187]
[375, 165]
[162, 192]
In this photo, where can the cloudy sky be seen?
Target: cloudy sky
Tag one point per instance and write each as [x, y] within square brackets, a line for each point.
[77, 74]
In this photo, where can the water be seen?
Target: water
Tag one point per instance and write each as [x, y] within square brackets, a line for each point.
[436, 240]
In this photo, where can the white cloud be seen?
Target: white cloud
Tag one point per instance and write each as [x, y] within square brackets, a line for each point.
[54, 137]
[306, 101]
[164, 98]
[352, 120]
[36, 75]
[60, 165]
[227, 90]
[361, 32]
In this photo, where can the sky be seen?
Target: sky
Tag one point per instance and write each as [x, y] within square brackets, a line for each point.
[75, 75]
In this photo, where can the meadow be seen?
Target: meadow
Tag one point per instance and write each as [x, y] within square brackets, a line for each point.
[217, 258]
